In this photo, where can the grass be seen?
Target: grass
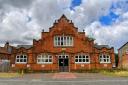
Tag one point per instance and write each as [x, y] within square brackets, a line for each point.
[120, 73]
[9, 75]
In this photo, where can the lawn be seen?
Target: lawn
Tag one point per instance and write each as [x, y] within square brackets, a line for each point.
[116, 73]
[9, 75]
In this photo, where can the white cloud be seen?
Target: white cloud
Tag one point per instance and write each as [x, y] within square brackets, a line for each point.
[15, 27]
[89, 11]
[114, 35]
[45, 12]
[23, 20]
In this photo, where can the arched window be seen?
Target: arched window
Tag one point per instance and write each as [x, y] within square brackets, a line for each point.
[104, 58]
[21, 58]
[82, 58]
[43, 58]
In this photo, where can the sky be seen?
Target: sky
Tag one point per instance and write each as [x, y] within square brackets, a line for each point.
[21, 21]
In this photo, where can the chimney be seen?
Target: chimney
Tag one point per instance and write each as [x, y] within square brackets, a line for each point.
[6, 45]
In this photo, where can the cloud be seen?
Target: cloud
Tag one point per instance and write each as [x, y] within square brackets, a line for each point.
[23, 20]
[113, 35]
[45, 12]
[89, 11]
[15, 3]
[15, 27]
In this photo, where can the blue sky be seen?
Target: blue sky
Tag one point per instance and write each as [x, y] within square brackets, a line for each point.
[75, 3]
[105, 20]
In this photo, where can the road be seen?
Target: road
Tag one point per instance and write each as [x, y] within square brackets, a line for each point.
[65, 79]
[64, 82]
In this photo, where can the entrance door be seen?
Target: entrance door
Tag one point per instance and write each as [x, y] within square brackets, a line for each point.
[63, 63]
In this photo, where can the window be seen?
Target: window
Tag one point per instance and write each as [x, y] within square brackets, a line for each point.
[44, 58]
[63, 41]
[21, 59]
[82, 59]
[104, 58]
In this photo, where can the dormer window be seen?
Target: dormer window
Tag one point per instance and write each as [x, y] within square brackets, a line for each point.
[63, 40]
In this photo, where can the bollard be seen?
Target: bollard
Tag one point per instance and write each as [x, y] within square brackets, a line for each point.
[22, 73]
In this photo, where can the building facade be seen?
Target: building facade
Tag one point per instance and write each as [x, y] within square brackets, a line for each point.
[63, 48]
[123, 56]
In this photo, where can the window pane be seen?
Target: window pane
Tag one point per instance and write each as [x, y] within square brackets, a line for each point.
[46, 60]
[50, 60]
[25, 57]
[39, 57]
[25, 60]
[43, 60]
[104, 60]
[21, 56]
[38, 60]
[17, 60]
[100, 60]
[80, 60]
[58, 41]
[107, 56]
[21, 60]
[66, 56]
[100, 56]
[76, 56]
[62, 41]
[17, 56]
[87, 60]
[104, 56]
[87, 57]
[83, 56]
[83, 60]
[76, 60]
[50, 56]
[67, 41]
[80, 56]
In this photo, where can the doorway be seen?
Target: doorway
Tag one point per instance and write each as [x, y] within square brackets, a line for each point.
[63, 63]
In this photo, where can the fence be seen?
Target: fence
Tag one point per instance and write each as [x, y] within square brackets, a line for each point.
[4, 65]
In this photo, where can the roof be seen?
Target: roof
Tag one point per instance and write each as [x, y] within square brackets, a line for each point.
[123, 45]
[24, 46]
[101, 46]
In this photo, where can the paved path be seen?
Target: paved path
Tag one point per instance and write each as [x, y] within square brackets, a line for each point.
[64, 75]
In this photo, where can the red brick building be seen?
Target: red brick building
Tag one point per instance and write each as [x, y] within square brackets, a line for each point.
[63, 48]
[123, 56]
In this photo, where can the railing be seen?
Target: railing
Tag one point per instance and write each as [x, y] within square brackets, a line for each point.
[4, 65]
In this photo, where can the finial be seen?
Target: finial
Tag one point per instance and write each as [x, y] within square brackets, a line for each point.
[70, 21]
[42, 30]
[83, 30]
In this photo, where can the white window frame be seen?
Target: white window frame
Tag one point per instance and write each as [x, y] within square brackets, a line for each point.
[43, 58]
[63, 56]
[65, 41]
[80, 62]
[19, 58]
[104, 58]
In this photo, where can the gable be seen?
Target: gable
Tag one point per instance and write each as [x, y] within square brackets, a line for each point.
[63, 26]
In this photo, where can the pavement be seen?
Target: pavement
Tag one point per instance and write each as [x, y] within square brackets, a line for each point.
[65, 79]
